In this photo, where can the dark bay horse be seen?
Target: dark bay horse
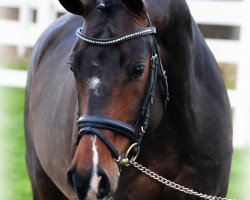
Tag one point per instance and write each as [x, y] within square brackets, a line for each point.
[79, 123]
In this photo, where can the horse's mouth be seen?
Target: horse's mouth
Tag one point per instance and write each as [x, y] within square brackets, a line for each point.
[93, 196]
[109, 197]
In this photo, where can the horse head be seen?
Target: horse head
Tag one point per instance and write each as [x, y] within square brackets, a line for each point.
[115, 81]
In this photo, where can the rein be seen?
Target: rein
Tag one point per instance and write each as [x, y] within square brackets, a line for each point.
[172, 184]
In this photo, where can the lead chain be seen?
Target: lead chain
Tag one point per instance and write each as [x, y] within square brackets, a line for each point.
[173, 184]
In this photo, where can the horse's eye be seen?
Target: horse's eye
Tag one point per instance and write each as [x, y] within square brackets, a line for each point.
[138, 71]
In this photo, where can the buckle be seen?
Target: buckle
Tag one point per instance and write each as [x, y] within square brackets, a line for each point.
[154, 57]
[135, 149]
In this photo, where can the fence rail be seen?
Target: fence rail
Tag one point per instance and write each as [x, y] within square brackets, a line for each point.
[218, 12]
[24, 32]
[13, 78]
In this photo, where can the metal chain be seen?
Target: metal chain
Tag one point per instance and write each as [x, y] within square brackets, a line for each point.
[173, 184]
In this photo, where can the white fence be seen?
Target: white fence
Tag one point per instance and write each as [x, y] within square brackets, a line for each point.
[232, 13]
[13, 78]
[24, 32]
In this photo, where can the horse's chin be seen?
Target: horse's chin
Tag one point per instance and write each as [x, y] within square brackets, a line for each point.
[110, 197]
[94, 197]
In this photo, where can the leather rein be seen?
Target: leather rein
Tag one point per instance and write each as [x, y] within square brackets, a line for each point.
[91, 124]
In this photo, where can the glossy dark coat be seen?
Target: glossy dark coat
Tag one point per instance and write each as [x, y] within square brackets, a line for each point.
[192, 145]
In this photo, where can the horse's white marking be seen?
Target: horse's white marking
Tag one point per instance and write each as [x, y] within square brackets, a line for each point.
[95, 155]
[95, 184]
[94, 84]
[95, 179]
[94, 63]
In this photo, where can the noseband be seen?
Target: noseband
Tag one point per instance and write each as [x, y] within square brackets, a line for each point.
[90, 124]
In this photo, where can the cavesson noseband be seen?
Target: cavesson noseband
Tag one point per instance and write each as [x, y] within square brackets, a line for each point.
[90, 124]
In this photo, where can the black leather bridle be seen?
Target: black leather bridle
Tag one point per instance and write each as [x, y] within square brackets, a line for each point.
[90, 124]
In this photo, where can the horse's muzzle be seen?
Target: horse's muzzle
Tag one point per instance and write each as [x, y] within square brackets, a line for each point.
[97, 186]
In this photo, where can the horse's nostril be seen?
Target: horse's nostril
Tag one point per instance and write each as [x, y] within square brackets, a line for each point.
[81, 184]
[78, 182]
[70, 173]
[104, 186]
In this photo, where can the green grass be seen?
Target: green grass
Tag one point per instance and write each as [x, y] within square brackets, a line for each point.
[239, 180]
[14, 182]
[14, 64]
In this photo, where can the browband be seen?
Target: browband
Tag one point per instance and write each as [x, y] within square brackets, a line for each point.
[115, 40]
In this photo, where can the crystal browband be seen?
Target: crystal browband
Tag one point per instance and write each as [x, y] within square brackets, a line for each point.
[115, 40]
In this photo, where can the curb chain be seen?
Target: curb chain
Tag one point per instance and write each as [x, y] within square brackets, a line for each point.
[173, 184]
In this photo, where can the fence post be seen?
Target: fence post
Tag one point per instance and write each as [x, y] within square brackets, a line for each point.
[46, 14]
[242, 109]
[25, 18]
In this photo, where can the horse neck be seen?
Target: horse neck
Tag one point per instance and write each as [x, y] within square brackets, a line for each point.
[188, 62]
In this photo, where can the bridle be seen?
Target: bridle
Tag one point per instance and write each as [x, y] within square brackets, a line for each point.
[91, 124]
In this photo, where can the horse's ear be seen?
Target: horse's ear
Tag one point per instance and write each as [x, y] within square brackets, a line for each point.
[135, 5]
[77, 7]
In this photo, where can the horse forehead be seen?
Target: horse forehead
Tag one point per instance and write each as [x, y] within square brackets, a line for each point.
[94, 82]
[99, 23]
